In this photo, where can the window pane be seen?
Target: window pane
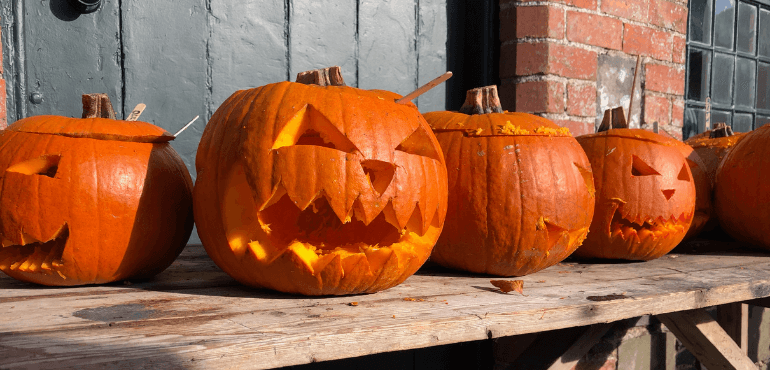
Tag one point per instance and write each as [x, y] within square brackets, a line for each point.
[724, 23]
[721, 116]
[764, 33]
[700, 21]
[747, 27]
[744, 83]
[762, 120]
[694, 122]
[743, 122]
[722, 77]
[763, 86]
[699, 68]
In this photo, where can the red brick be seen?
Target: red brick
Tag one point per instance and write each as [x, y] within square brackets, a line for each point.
[585, 4]
[596, 30]
[531, 21]
[576, 128]
[531, 58]
[657, 108]
[669, 15]
[581, 100]
[572, 62]
[664, 79]
[641, 40]
[540, 97]
[3, 116]
[679, 49]
[637, 10]
[677, 113]
[672, 131]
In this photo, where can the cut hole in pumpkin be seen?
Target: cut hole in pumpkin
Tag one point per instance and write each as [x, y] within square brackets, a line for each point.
[642, 228]
[419, 143]
[588, 178]
[310, 127]
[380, 174]
[553, 231]
[684, 175]
[668, 193]
[640, 168]
[47, 165]
[41, 257]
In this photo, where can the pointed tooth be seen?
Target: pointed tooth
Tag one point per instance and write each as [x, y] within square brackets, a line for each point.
[27, 239]
[5, 242]
[390, 215]
[278, 192]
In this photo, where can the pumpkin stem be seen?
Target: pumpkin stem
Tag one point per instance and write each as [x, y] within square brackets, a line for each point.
[97, 106]
[482, 100]
[331, 76]
[721, 129]
[613, 118]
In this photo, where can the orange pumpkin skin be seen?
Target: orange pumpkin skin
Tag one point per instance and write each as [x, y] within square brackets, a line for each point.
[703, 190]
[713, 150]
[521, 193]
[319, 190]
[645, 196]
[90, 201]
[740, 193]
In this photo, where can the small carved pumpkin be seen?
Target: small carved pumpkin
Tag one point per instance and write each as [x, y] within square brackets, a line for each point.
[645, 195]
[319, 189]
[740, 196]
[91, 200]
[521, 193]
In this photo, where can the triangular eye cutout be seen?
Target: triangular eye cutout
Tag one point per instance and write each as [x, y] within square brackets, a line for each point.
[588, 178]
[46, 165]
[683, 174]
[380, 174]
[419, 143]
[640, 168]
[311, 127]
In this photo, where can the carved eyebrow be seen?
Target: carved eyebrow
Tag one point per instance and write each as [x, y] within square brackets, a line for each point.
[310, 127]
[419, 143]
[46, 165]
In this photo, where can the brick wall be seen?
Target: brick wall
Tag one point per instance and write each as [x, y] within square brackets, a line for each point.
[3, 116]
[550, 52]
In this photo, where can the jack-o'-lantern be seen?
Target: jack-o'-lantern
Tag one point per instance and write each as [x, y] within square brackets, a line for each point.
[703, 210]
[319, 188]
[521, 193]
[91, 200]
[740, 192]
[645, 195]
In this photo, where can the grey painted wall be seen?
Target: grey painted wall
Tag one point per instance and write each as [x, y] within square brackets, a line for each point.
[183, 58]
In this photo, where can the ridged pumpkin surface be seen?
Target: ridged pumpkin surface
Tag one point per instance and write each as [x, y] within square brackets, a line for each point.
[319, 190]
[521, 193]
[89, 201]
[741, 197]
[645, 195]
[703, 190]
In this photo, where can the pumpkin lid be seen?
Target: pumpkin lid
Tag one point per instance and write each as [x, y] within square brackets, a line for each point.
[98, 123]
[635, 133]
[495, 124]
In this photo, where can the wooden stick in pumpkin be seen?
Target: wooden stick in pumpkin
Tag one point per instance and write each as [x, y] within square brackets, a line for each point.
[633, 87]
[97, 106]
[331, 76]
[186, 126]
[424, 88]
[136, 112]
[721, 129]
[482, 100]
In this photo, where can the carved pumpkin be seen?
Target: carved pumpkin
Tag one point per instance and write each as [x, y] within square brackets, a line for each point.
[92, 200]
[645, 195]
[521, 193]
[740, 195]
[712, 146]
[319, 189]
[703, 190]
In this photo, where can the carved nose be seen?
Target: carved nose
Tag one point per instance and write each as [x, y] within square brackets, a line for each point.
[668, 193]
[379, 173]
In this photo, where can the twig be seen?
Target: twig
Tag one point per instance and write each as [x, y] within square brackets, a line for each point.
[633, 87]
[136, 112]
[186, 126]
[424, 88]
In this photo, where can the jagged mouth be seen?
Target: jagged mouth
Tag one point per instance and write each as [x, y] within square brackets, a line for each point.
[642, 228]
[35, 256]
[319, 226]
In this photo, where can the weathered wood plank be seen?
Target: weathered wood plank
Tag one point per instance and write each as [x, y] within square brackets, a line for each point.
[323, 34]
[582, 345]
[706, 340]
[734, 319]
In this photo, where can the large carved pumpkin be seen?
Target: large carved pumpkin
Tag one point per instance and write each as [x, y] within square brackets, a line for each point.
[92, 200]
[319, 189]
[741, 197]
[645, 195]
[521, 193]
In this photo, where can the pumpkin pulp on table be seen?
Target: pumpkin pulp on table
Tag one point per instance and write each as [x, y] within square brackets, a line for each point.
[319, 188]
[521, 193]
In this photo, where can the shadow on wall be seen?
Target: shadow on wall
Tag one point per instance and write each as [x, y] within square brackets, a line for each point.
[62, 10]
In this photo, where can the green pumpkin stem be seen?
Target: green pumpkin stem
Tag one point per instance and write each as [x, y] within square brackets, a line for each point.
[482, 100]
[97, 106]
[331, 76]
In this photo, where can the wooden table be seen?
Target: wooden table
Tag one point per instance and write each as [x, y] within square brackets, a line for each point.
[194, 315]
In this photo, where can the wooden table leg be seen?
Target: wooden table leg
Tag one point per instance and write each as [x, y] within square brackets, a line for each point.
[707, 341]
[734, 318]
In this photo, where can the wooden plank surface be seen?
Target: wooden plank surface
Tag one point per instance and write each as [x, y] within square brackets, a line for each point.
[194, 315]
